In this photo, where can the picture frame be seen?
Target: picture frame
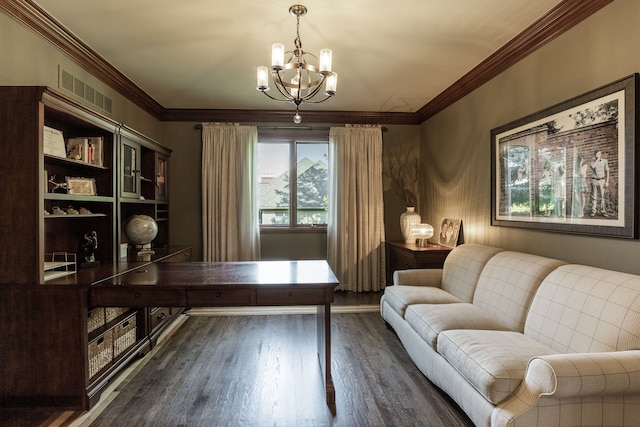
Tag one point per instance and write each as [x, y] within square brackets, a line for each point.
[53, 142]
[449, 232]
[546, 173]
[81, 186]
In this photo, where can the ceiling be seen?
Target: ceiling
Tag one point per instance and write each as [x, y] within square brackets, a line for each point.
[202, 54]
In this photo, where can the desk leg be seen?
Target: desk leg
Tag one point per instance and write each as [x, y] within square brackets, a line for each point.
[324, 350]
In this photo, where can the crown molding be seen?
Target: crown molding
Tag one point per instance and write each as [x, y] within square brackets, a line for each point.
[39, 21]
[558, 20]
[274, 116]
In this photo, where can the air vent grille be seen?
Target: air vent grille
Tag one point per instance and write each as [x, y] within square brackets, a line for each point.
[82, 90]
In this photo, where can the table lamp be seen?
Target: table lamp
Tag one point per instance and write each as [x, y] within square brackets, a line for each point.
[422, 233]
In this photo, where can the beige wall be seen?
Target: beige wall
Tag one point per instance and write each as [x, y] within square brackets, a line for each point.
[456, 142]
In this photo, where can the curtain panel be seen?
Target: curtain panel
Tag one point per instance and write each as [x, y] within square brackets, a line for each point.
[355, 232]
[230, 224]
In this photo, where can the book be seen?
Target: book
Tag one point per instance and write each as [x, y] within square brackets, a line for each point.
[53, 141]
[96, 154]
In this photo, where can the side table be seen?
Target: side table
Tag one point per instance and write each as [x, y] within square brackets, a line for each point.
[403, 256]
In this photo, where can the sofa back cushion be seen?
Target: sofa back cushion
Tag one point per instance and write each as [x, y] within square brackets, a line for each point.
[462, 269]
[586, 309]
[508, 284]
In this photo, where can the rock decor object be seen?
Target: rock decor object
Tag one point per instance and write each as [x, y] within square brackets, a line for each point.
[57, 211]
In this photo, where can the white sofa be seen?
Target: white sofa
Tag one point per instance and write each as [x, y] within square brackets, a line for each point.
[521, 340]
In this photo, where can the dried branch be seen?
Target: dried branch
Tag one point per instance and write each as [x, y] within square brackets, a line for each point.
[405, 174]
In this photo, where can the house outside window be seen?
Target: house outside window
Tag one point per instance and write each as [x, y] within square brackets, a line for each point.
[301, 202]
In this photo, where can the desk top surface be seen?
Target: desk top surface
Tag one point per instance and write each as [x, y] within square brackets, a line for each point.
[246, 274]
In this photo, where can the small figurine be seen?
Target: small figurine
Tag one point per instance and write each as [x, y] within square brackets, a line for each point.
[58, 188]
[89, 246]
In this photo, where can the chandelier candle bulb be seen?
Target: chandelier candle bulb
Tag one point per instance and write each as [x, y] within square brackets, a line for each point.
[263, 78]
[332, 84]
[325, 61]
[296, 82]
[277, 56]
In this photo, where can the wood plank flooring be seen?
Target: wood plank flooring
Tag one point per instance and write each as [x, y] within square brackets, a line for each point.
[263, 371]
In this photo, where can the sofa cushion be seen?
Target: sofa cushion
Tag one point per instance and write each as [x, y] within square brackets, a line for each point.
[493, 362]
[399, 297]
[508, 283]
[462, 268]
[580, 309]
[429, 320]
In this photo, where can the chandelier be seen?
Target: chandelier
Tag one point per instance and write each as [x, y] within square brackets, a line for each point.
[296, 79]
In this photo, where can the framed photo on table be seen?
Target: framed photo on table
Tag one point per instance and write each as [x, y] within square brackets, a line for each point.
[83, 186]
[449, 232]
[570, 168]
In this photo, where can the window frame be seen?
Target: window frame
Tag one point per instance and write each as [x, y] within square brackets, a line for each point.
[293, 139]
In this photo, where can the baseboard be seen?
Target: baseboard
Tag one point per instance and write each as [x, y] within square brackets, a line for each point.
[262, 311]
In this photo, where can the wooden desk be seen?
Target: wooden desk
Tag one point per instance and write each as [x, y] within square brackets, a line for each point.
[206, 284]
[403, 256]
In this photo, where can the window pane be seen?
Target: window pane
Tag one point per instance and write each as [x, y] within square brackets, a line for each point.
[313, 183]
[273, 172]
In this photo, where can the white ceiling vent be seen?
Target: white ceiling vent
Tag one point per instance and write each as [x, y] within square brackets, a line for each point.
[80, 89]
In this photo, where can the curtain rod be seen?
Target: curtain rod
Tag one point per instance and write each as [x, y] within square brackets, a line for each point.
[199, 126]
[309, 128]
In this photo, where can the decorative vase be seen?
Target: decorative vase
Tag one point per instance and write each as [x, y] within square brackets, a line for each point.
[407, 219]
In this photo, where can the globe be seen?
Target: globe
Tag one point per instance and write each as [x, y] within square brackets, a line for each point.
[141, 230]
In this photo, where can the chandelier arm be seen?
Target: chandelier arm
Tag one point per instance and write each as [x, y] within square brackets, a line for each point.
[288, 101]
[308, 101]
[279, 84]
[315, 90]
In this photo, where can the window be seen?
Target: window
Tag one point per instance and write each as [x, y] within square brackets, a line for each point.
[299, 202]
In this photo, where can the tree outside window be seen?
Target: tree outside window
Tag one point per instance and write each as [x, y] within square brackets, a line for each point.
[298, 202]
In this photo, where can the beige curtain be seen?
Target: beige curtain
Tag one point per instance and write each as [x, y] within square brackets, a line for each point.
[355, 246]
[231, 230]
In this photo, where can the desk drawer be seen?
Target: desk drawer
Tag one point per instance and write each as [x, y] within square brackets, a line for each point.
[113, 296]
[288, 296]
[157, 315]
[219, 297]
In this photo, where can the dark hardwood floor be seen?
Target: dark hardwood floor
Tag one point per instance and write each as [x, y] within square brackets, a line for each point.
[263, 370]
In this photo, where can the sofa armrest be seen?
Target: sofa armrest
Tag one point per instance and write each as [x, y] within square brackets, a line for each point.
[418, 277]
[572, 375]
[584, 374]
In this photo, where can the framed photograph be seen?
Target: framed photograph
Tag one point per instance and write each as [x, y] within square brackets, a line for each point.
[449, 231]
[84, 186]
[570, 168]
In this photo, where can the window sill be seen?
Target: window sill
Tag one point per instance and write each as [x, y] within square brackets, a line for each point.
[317, 229]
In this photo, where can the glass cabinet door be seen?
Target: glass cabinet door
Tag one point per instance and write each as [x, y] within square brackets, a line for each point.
[161, 177]
[130, 184]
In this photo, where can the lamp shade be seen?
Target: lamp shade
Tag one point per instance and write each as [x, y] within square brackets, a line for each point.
[421, 233]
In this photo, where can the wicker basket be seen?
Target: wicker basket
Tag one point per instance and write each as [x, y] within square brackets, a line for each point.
[112, 313]
[100, 353]
[124, 335]
[95, 319]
